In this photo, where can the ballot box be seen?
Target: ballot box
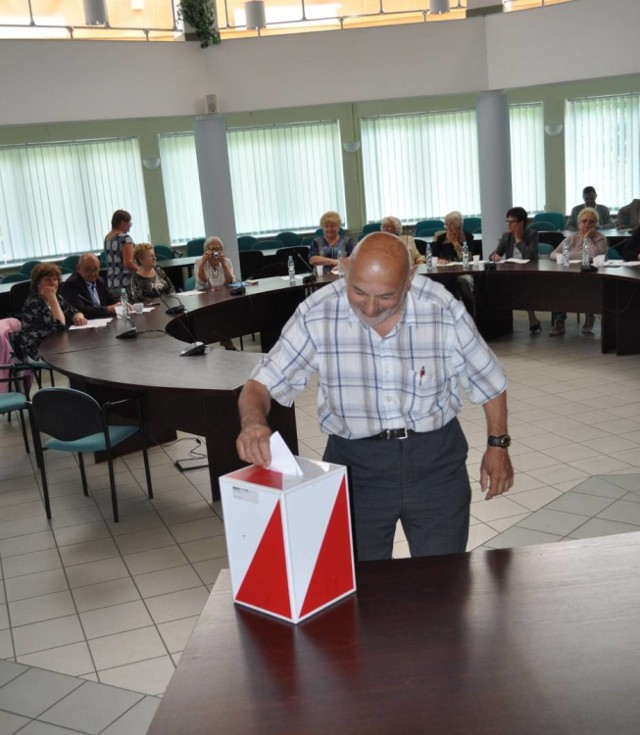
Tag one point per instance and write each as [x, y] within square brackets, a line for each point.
[288, 538]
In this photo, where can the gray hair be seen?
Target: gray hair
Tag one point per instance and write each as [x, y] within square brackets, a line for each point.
[397, 225]
[590, 210]
[454, 219]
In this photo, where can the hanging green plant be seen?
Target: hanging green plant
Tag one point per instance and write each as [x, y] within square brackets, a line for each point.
[201, 16]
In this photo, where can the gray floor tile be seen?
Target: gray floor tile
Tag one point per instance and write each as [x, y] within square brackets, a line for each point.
[9, 670]
[137, 720]
[43, 728]
[622, 511]
[580, 503]
[10, 723]
[35, 691]
[91, 708]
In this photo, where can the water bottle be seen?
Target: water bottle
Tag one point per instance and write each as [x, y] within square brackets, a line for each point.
[585, 252]
[465, 256]
[124, 300]
[340, 266]
[565, 253]
[428, 258]
[291, 268]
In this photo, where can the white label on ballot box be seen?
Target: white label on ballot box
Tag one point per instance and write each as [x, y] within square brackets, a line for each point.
[243, 493]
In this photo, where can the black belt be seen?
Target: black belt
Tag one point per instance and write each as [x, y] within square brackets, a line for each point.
[393, 434]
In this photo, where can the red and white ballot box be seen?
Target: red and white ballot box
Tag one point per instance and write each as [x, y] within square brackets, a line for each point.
[288, 538]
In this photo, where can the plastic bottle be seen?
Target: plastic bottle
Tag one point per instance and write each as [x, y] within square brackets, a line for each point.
[124, 300]
[586, 252]
[565, 253]
[428, 258]
[340, 266]
[291, 268]
[465, 256]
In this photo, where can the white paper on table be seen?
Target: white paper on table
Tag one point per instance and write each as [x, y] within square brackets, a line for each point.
[92, 324]
[148, 309]
[625, 263]
[282, 459]
[195, 291]
[299, 277]
[516, 260]
[447, 264]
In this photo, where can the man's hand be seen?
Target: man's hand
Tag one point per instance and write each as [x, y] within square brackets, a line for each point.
[496, 472]
[253, 444]
[79, 319]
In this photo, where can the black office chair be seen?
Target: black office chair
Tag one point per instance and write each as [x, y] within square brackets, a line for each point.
[251, 262]
[267, 245]
[551, 238]
[17, 296]
[21, 363]
[77, 423]
[300, 257]
[272, 269]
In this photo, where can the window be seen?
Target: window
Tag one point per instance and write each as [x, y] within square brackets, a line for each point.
[420, 166]
[285, 177]
[602, 148]
[282, 178]
[526, 124]
[57, 199]
[181, 187]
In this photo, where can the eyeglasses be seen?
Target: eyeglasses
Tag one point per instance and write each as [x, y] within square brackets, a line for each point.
[512, 221]
[588, 221]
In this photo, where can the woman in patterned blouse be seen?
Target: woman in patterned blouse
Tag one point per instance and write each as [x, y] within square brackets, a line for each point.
[150, 279]
[44, 311]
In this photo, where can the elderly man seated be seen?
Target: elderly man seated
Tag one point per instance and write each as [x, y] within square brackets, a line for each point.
[86, 291]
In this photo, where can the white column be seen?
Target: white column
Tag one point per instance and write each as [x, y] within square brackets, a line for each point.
[215, 183]
[494, 160]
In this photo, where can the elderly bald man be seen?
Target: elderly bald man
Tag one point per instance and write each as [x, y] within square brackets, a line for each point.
[86, 291]
[391, 352]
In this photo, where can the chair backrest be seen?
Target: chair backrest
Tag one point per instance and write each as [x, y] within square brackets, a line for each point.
[66, 414]
[267, 245]
[472, 224]
[103, 260]
[543, 225]
[195, 247]
[251, 261]
[14, 278]
[246, 242]
[163, 252]
[557, 219]
[288, 239]
[544, 248]
[552, 238]
[426, 227]
[190, 283]
[299, 254]
[69, 263]
[28, 266]
[613, 254]
[18, 295]
[272, 269]
[371, 227]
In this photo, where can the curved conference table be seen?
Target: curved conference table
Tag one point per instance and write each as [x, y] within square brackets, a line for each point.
[199, 394]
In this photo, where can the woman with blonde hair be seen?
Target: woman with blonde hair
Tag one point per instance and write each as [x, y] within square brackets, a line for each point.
[394, 226]
[149, 280]
[324, 250]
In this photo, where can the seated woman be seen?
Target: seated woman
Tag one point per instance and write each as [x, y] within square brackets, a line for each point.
[631, 247]
[587, 229]
[519, 242]
[448, 248]
[149, 280]
[214, 269]
[324, 250]
[44, 311]
[394, 226]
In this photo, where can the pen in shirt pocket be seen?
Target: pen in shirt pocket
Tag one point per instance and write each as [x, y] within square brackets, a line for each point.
[421, 374]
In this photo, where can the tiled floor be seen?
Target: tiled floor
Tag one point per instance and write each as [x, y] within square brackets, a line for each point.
[113, 604]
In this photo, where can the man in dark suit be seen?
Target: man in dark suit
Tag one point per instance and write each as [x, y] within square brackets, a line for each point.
[86, 291]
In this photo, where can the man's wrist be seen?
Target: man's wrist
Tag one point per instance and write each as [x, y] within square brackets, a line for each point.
[501, 441]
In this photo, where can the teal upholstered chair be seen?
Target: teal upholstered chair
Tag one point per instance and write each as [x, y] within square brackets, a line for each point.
[246, 242]
[28, 266]
[195, 247]
[543, 225]
[557, 219]
[428, 227]
[288, 239]
[544, 249]
[104, 263]
[472, 224]
[613, 254]
[77, 423]
[190, 283]
[163, 252]
[14, 399]
[15, 278]
[267, 245]
[68, 265]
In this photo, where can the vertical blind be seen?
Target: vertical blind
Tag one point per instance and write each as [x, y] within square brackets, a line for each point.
[602, 148]
[285, 177]
[181, 187]
[423, 166]
[528, 188]
[57, 199]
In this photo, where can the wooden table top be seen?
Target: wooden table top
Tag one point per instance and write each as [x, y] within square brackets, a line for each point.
[539, 639]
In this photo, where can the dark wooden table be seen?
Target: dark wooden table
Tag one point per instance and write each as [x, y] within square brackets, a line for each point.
[541, 639]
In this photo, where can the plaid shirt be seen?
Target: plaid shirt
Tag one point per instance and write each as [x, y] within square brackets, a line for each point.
[367, 383]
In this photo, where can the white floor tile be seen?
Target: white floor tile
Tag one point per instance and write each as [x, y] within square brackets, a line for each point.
[148, 677]
[127, 647]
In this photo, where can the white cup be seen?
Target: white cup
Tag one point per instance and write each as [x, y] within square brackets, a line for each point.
[138, 307]
[476, 260]
[434, 261]
[319, 270]
[480, 266]
[121, 310]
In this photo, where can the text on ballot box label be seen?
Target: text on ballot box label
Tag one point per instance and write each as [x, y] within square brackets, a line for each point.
[243, 493]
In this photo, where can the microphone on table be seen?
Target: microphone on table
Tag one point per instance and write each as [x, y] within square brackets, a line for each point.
[130, 333]
[311, 278]
[197, 347]
[171, 310]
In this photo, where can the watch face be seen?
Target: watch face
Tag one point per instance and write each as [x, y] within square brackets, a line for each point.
[503, 441]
